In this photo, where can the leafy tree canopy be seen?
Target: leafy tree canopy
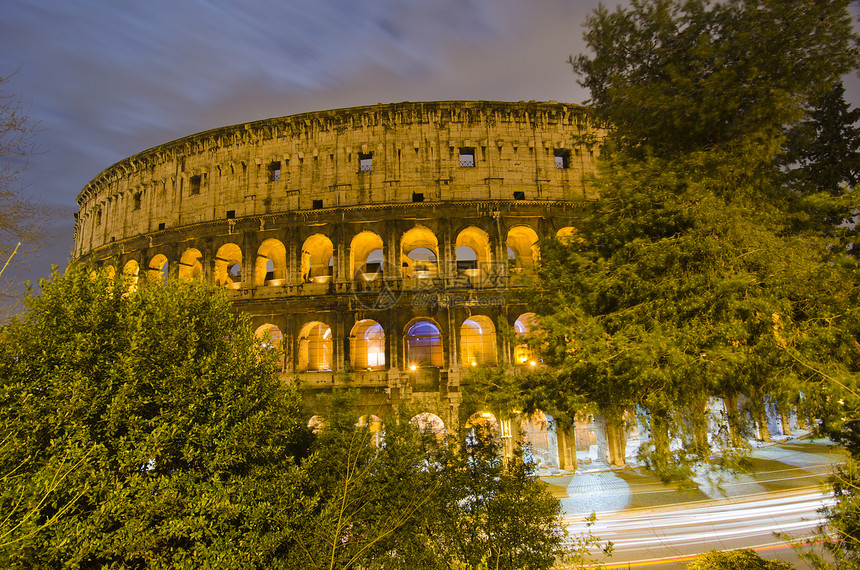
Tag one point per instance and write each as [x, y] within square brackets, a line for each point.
[143, 428]
[687, 279]
[146, 427]
[679, 76]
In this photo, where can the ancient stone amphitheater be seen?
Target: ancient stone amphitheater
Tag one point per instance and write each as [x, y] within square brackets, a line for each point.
[375, 246]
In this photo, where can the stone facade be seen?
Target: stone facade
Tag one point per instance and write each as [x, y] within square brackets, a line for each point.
[378, 241]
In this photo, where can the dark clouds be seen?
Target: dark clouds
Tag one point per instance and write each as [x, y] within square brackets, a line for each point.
[109, 78]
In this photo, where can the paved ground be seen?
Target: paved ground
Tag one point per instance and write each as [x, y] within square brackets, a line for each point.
[660, 526]
[791, 464]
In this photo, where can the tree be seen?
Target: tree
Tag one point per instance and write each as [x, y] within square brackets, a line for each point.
[821, 163]
[400, 498]
[144, 429]
[675, 76]
[22, 220]
[686, 281]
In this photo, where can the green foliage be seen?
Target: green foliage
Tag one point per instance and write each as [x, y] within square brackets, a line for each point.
[143, 429]
[148, 428]
[687, 279]
[419, 500]
[821, 162]
[676, 76]
[744, 559]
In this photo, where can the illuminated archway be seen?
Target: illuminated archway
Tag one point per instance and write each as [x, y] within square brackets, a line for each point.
[367, 345]
[317, 259]
[419, 253]
[228, 266]
[365, 256]
[158, 268]
[316, 424]
[472, 250]
[191, 264]
[374, 426]
[481, 426]
[131, 270]
[423, 345]
[271, 338]
[522, 242]
[538, 430]
[567, 234]
[270, 267]
[315, 347]
[429, 424]
[523, 353]
[477, 341]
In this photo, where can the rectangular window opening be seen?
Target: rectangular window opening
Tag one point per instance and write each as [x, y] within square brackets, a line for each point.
[467, 157]
[161, 226]
[365, 162]
[231, 214]
[418, 196]
[275, 171]
[194, 181]
[519, 195]
[562, 158]
[317, 204]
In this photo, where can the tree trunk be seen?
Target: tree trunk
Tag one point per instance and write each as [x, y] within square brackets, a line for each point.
[785, 418]
[699, 420]
[616, 436]
[734, 418]
[566, 441]
[660, 433]
[759, 410]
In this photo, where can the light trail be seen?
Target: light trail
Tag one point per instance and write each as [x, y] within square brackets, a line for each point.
[686, 530]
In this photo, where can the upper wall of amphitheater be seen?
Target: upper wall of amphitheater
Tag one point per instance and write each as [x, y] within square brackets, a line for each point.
[379, 154]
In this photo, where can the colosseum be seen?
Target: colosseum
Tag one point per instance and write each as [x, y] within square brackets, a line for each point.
[375, 246]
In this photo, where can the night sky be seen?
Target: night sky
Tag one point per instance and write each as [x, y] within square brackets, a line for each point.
[106, 79]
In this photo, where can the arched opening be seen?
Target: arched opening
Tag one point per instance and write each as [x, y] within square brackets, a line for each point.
[538, 431]
[419, 253]
[374, 426]
[191, 264]
[365, 256]
[130, 271]
[477, 341]
[367, 345]
[567, 234]
[481, 426]
[270, 267]
[158, 269]
[271, 338]
[315, 347]
[426, 422]
[316, 424]
[429, 425]
[523, 326]
[228, 266]
[472, 250]
[423, 345]
[317, 259]
[522, 241]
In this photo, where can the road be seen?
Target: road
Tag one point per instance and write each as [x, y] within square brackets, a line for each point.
[652, 525]
[669, 537]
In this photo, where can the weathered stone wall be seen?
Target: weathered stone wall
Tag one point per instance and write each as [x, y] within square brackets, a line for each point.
[282, 214]
[414, 148]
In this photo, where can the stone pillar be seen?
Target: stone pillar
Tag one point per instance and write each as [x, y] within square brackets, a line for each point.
[293, 259]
